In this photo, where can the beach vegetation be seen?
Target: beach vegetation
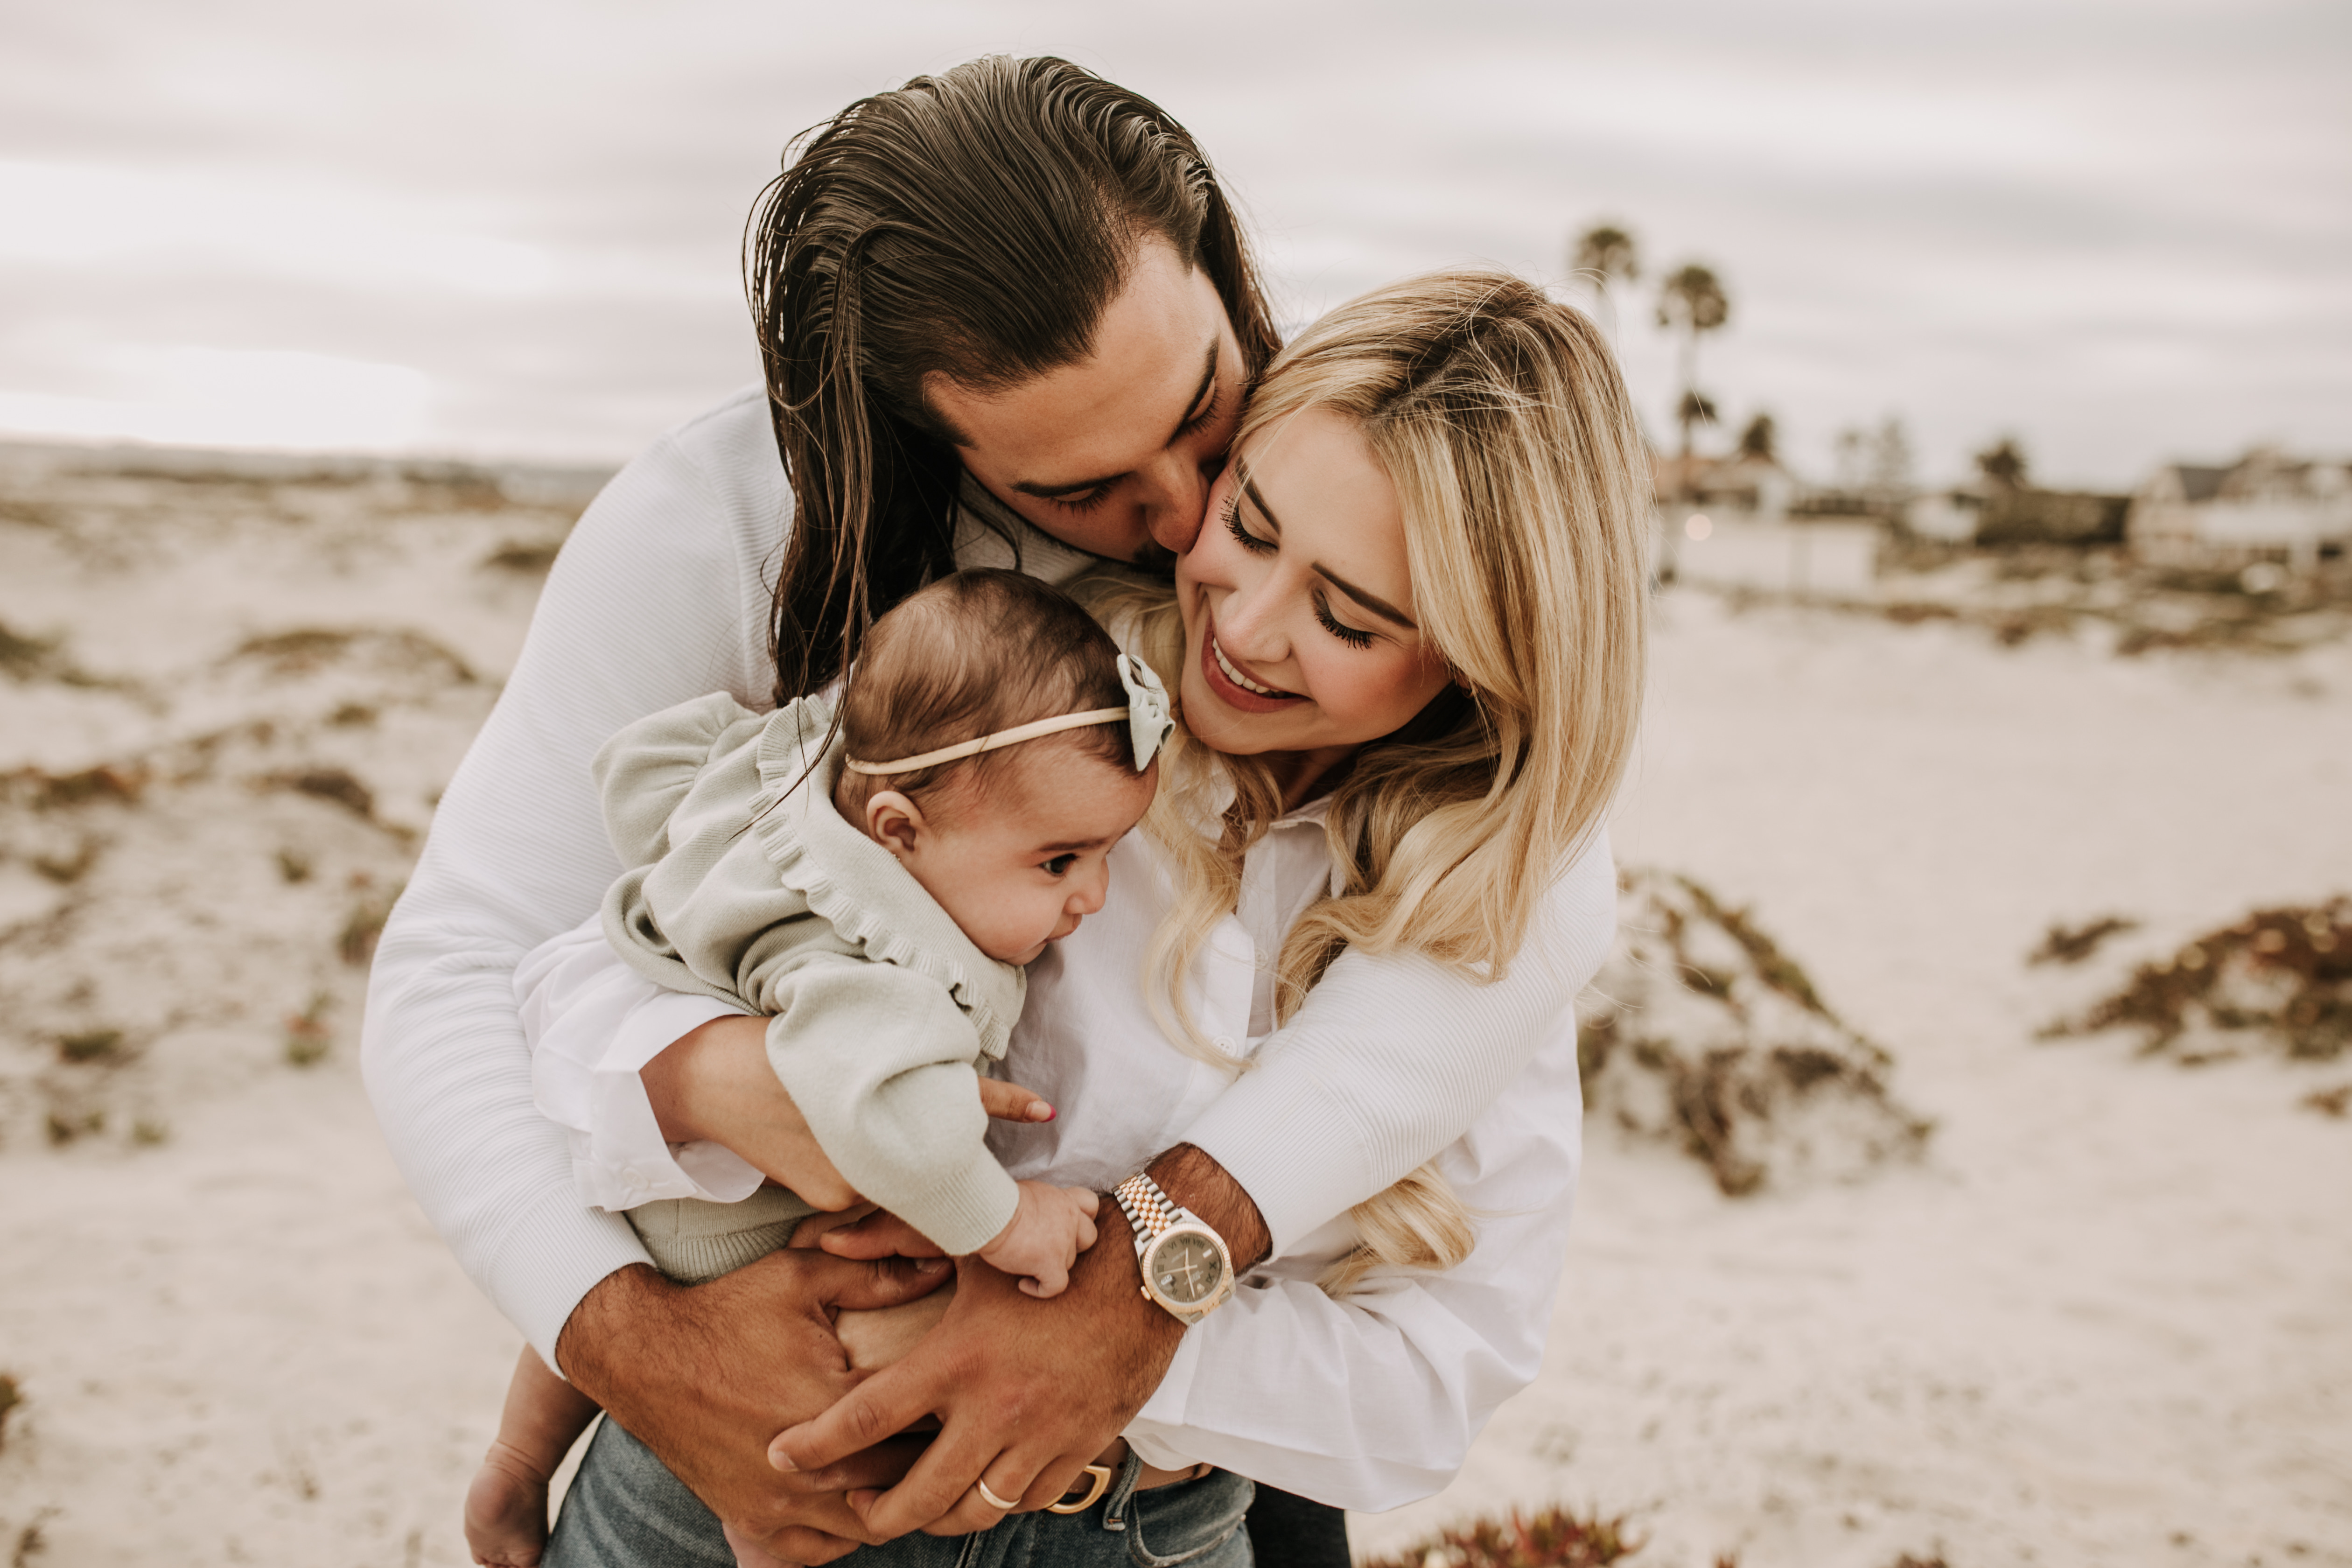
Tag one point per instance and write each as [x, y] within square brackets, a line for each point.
[2062, 943]
[90, 1046]
[44, 791]
[1703, 1032]
[524, 557]
[68, 869]
[65, 1126]
[363, 924]
[2280, 978]
[306, 1039]
[339, 786]
[1547, 1538]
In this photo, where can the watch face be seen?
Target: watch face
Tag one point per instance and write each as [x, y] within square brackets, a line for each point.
[1188, 1267]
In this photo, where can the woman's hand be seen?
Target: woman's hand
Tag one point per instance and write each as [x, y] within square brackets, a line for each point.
[715, 1084]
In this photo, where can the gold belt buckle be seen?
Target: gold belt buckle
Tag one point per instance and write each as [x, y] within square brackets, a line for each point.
[1101, 1474]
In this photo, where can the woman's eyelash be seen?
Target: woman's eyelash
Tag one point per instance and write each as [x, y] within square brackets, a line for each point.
[1252, 542]
[1242, 536]
[1346, 634]
[1086, 502]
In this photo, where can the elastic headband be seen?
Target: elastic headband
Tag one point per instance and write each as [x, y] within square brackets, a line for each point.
[1148, 727]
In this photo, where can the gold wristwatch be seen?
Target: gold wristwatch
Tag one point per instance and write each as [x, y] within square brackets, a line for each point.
[1186, 1268]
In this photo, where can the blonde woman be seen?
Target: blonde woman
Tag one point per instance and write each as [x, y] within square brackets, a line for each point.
[1408, 644]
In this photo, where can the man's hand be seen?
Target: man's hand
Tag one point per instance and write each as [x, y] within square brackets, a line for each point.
[703, 1375]
[1028, 1391]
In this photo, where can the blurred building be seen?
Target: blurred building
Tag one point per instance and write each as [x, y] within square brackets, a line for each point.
[2265, 507]
[1746, 521]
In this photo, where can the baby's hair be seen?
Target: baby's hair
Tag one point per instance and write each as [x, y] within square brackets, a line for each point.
[968, 655]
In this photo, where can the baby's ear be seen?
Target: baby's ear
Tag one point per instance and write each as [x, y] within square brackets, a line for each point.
[893, 821]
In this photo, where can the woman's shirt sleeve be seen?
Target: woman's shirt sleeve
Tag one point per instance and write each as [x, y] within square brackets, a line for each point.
[1391, 1057]
[1384, 1390]
[652, 600]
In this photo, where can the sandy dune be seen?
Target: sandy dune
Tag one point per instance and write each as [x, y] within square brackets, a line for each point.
[2106, 1318]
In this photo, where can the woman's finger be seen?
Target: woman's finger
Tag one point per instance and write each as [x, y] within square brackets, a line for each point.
[1011, 1102]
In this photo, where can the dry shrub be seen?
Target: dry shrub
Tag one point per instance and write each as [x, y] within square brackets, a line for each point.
[524, 558]
[44, 791]
[90, 1046]
[304, 651]
[2064, 944]
[25, 657]
[307, 1038]
[12, 1395]
[365, 923]
[2280, 977]
[1550, 1538]
[336, 786]
[1702, 1032]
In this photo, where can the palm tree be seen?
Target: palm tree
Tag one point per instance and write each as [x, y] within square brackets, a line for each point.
[1692, 298]
[1605, 252]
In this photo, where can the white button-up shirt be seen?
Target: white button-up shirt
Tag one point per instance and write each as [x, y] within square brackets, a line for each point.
[1369, 1402]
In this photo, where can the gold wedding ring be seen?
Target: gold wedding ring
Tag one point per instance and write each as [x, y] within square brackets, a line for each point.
[1070, 1504]
[1002, 1505]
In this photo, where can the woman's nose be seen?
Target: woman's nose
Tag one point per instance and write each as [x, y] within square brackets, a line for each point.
[1245, 619]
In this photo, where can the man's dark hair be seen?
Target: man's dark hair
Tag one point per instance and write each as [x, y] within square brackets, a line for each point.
[975, 224]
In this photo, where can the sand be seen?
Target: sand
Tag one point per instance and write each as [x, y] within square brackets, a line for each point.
[2106, 1319]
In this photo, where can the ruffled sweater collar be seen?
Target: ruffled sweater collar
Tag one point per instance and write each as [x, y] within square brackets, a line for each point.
[857, 887]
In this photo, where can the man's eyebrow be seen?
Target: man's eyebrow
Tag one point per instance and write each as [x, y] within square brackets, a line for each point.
[1054, 492]
[1208, 379]
[1369, 601]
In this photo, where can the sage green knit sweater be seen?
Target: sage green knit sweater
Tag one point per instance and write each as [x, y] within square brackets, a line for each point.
[745, 883]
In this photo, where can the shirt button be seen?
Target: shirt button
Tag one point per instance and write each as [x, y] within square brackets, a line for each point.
[1225, 1043]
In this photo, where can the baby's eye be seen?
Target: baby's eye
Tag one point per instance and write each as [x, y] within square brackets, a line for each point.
[1060, 864]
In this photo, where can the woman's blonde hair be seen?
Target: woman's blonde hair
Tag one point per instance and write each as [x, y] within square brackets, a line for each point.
[1522, 474]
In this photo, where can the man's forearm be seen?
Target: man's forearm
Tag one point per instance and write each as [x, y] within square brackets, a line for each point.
[1201, 1184]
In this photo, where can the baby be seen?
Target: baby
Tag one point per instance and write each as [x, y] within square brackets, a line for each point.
[872, 878]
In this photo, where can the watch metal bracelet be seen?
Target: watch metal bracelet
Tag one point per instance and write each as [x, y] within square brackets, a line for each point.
[1170, 1236]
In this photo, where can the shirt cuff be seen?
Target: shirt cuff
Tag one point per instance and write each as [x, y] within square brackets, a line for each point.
[627, 1162]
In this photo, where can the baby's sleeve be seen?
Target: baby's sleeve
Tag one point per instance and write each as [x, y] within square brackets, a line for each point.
[879, 1060]
[645, 771]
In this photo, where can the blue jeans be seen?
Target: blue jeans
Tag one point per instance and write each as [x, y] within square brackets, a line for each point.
[626, 1511]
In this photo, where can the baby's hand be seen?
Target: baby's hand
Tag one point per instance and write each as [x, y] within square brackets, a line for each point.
[1048, 1231]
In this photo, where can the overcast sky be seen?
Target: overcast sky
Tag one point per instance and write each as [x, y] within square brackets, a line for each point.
[2119, 229]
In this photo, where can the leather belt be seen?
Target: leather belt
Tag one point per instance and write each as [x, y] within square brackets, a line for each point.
[1096, 1478]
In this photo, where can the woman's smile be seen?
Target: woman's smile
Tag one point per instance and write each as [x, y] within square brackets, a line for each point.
[1232, 685]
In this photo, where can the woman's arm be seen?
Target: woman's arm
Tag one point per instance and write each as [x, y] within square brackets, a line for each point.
[1384, 1390]
[1391, 1058]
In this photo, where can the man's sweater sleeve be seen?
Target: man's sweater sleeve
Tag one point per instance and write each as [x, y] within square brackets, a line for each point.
[646, 606]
